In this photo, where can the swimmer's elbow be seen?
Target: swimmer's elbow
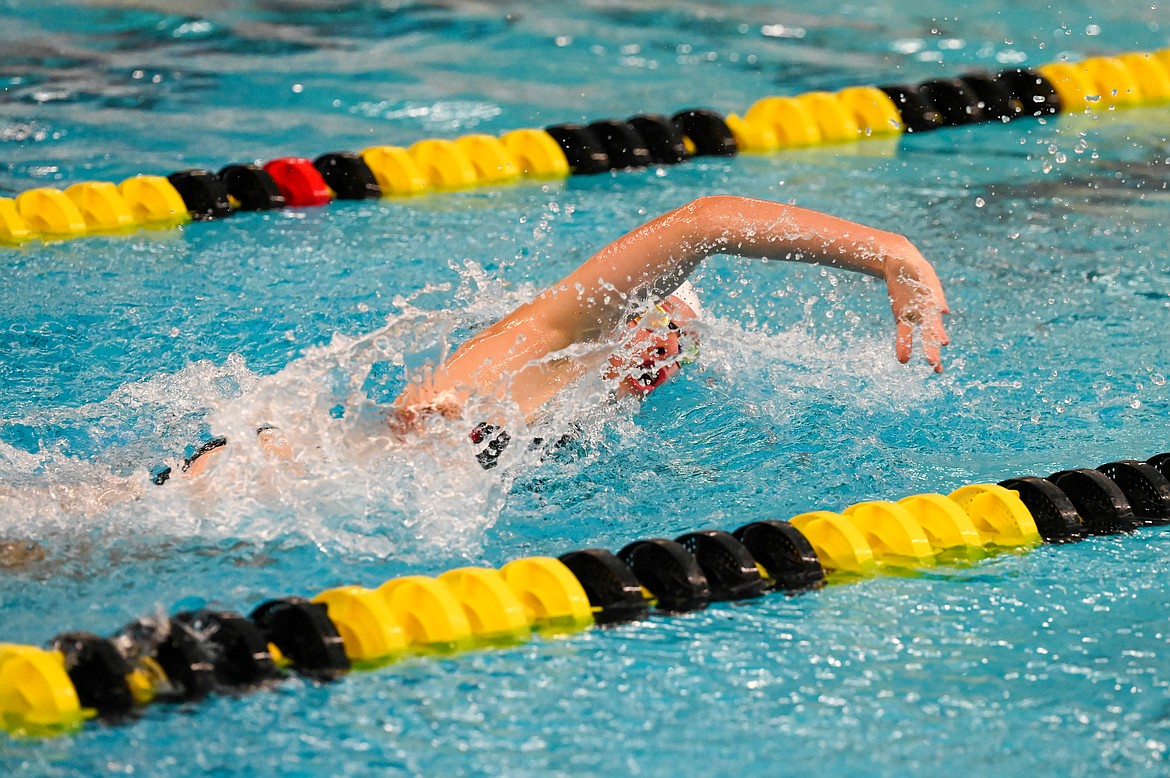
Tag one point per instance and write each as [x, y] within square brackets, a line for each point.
[711, 208]
[712, 221]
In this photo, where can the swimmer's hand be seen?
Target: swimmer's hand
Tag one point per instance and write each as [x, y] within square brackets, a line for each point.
[917, 300]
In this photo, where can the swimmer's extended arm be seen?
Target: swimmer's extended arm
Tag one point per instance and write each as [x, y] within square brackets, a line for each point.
[652, 260]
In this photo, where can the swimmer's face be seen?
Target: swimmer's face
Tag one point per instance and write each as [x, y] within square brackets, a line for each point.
[658, 345]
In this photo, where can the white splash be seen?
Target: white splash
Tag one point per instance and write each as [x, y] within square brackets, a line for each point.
[350, 486]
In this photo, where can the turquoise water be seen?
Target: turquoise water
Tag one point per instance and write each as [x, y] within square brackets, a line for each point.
[118, 352]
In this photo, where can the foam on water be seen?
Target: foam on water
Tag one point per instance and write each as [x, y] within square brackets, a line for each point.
[348, 485]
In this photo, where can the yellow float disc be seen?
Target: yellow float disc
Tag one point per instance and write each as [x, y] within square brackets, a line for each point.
[838, 543]
[1073, 86]
[492, 608]
[1163, 57]
[443, 164]
[428, 611]
[998, 514]
[102, 206]
[395, 170]
[944, 522]
[537, 153]
[752, 137]
[364, 620]
[35, 690]
[50, 213]
[1151, 75]
[551, 595]
[790, 119]
[1113, 81]
[13, 227]
[153, 200]
[872, 109]
[891, 531]
[834, 120]
[492, 161]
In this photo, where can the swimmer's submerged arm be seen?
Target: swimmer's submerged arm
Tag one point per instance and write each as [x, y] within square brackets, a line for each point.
[651, 261]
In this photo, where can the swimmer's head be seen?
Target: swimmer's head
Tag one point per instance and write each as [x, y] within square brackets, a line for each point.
[663, 341]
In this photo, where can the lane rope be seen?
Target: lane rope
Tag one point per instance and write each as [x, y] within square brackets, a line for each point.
[190, 655]
[770, 125]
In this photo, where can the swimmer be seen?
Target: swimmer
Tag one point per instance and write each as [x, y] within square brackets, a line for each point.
[632, 303]
[517, 357]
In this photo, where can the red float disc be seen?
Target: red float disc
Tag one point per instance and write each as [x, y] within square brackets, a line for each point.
[299, 181]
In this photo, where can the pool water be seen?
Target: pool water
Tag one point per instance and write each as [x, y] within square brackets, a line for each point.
[118, 353]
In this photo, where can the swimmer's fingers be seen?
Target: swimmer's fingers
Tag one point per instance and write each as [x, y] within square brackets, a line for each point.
[938, 333]
[926, 317]
[918, 303]
[904, 345]
[933, 339]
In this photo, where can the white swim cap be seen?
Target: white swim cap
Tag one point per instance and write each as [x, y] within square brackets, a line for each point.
[687, 294]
